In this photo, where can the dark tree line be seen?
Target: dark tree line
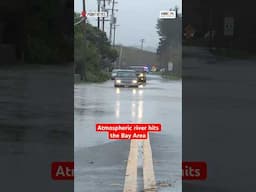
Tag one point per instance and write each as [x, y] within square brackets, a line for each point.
[48, 36]
[170, 42]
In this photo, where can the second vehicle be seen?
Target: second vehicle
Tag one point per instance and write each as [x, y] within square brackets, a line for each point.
[140, 72]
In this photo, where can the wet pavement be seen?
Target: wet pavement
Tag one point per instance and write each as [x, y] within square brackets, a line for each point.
[36, 126]
[219, 100]
[101, 163]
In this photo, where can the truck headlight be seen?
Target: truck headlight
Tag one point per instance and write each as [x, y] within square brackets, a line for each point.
[118, 81]
[134, 81]
[141, 75]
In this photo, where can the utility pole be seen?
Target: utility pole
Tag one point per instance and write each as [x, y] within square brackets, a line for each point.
[98, 11]
[114, 38]
[142, 42]
[84, 15]
[103, 19]
[83, 66]
[120, 56]
[111, 20]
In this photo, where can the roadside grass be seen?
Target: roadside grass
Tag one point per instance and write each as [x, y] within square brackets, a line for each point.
[170, 76]
[167, 75]
[96, 77]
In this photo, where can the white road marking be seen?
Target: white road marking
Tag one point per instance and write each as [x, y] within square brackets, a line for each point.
[148, 168]
[130, 184]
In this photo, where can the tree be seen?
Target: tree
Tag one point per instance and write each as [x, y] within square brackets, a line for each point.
[169, 47]
[97, 55]
[48, 39]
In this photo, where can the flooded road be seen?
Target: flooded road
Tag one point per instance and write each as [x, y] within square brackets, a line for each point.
[101, 163]
[36, 125]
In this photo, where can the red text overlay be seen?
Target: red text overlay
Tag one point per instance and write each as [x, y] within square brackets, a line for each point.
[62, 170]
[194, 170]
[128, 131]
[190, 170]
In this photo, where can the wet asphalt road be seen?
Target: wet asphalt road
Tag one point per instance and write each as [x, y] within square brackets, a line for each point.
[36, 126]
[101, 163]
[219, 100]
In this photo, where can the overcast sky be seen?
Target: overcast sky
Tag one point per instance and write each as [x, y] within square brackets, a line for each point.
[137, 19]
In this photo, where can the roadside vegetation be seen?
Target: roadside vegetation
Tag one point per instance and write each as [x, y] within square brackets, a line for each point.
[46, 39]
[167, 75]
[170, 45]
[93, 54]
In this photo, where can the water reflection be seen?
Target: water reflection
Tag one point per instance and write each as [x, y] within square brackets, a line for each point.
[33, 104]
[117, 91]
[136, 103]
[133, 109]
[117, 109]
[140, 110]
[140, 92]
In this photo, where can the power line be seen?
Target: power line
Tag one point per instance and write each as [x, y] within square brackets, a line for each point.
[78, 22]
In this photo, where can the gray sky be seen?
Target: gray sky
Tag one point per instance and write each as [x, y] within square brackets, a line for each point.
[137, 19]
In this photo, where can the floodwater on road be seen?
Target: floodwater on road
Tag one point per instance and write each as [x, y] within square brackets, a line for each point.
[36, 125]
[157, 101]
